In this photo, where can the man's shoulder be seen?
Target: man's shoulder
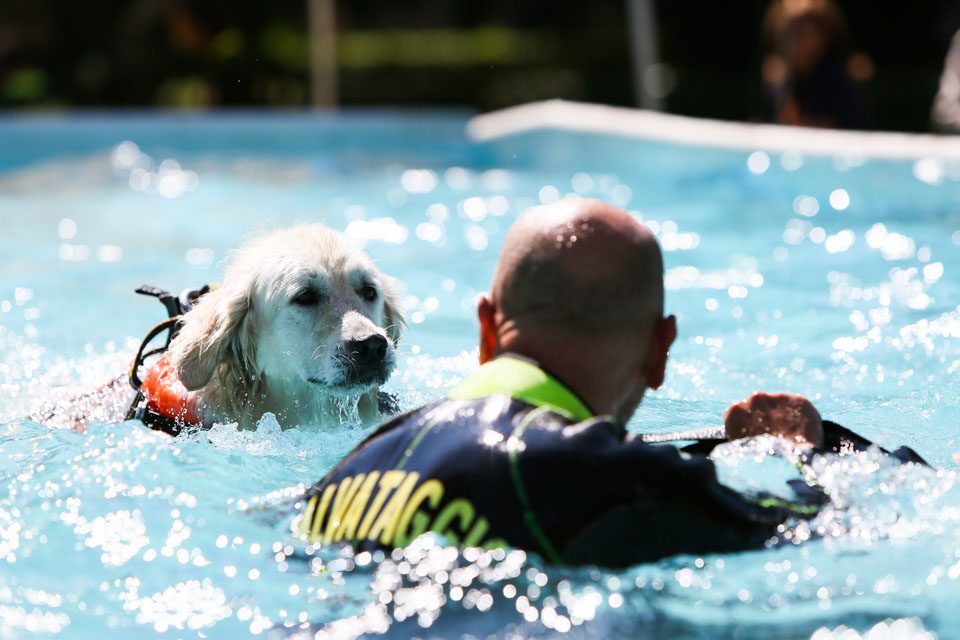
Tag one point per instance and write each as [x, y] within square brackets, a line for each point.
[435, 433]
[483, 410]
[462, 419]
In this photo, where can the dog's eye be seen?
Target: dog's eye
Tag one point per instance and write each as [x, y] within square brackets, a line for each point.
[306, 298]
[368, 293]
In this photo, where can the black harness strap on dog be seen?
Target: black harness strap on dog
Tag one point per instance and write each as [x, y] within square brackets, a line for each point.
[170, 301]
[155, 420]
[171, 325]
[176, 306]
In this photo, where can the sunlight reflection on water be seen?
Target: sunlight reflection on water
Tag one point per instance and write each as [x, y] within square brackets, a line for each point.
[786, 273]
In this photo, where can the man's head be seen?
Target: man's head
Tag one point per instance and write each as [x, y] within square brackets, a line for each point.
[579, 287]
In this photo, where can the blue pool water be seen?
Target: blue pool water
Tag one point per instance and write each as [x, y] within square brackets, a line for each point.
[835, 277]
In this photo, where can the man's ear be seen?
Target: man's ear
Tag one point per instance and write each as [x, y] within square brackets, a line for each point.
[664, 333]
[486, 312]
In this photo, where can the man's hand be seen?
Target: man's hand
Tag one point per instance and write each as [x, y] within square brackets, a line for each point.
[783, 414]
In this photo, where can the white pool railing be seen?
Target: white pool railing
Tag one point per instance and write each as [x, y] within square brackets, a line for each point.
[700, 132]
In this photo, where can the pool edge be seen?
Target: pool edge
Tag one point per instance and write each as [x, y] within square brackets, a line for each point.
[700, 132]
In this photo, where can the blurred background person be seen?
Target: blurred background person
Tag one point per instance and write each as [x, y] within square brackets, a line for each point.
[945, 115]
[810, 77]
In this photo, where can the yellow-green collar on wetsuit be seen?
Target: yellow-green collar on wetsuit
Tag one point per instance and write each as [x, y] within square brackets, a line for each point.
[522, 380]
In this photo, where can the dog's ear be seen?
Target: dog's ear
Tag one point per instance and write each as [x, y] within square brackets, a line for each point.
[213, 332]
[393, 319]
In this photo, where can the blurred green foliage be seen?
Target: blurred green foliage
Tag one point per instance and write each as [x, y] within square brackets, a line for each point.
[286, 45]
[24, 85]
[445, 47]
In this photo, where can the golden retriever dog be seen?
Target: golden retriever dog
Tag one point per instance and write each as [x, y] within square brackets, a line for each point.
[304, 327]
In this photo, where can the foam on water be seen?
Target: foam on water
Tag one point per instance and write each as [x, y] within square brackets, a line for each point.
[830, 277]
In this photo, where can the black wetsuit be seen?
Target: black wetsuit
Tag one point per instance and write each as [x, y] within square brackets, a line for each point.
[514, 458]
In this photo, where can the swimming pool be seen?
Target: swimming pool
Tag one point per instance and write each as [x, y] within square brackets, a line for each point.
[830, 275]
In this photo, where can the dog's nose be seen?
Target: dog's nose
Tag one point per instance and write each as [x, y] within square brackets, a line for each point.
[368, 351]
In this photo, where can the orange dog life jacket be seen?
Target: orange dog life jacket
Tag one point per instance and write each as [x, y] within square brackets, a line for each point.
[168, 405]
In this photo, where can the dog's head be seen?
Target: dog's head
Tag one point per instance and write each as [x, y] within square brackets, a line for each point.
[297, 307]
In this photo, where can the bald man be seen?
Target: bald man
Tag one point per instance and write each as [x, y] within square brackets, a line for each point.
[531, 450]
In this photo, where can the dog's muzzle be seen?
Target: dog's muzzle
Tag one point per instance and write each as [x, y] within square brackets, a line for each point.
[366, 360]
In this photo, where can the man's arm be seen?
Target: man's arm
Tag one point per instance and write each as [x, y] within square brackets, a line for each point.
[796, 419]
[603, 498]
[789, 416]
[657, 503]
